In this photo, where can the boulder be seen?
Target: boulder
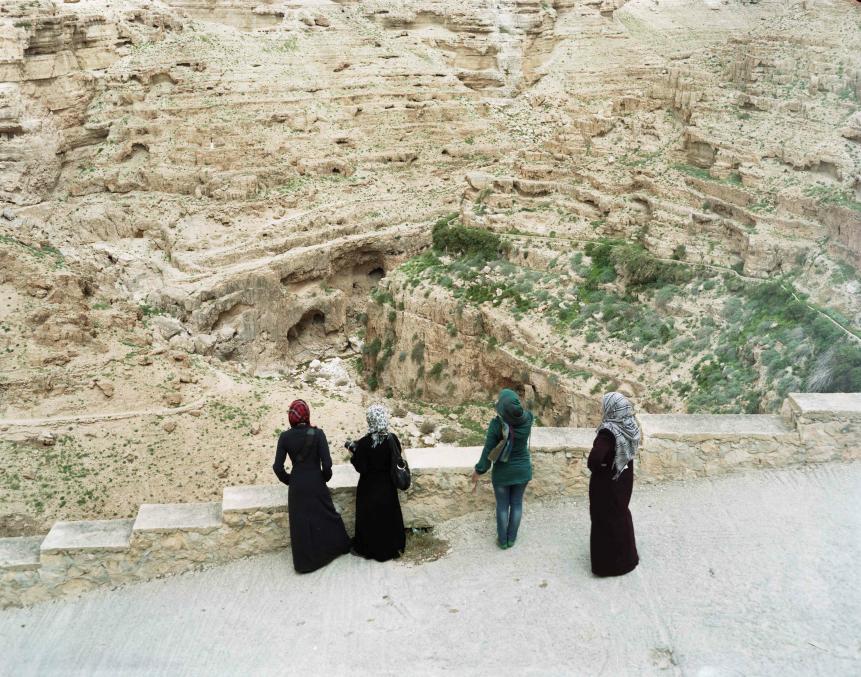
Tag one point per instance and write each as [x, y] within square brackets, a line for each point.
[167, 326]
[204, 343]
[106, 388]
[182, 342]
[480, 180]
[173, 399]
[852, 130]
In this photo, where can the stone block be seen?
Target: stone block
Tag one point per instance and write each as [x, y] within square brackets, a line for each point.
[164, 517]
[20, 554]
[344, 477]
[167, 326]
[704, 426]
[825, 403]
[19, 588]
[100, 535]
[443, 458]
[257, 498]
[562, 439]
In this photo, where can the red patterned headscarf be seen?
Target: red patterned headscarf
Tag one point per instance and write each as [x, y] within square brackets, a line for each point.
[299, 413]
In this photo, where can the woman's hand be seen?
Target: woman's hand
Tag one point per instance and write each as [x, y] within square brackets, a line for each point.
[474, 479]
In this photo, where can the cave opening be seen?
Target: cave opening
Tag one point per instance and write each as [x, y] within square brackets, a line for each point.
[363, 278]
[313, 322]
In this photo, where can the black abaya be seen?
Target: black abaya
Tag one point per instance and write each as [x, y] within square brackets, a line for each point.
[379, 522]
[317, 533]
[613, 547]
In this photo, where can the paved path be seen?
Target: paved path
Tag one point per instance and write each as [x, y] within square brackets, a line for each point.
[752, 574]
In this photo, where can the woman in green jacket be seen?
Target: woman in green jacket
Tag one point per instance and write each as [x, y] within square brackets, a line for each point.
[512, 470]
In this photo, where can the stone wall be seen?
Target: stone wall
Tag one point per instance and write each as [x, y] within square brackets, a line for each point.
[166, 539]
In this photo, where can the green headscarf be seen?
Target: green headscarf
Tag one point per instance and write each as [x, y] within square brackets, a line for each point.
[510, 410]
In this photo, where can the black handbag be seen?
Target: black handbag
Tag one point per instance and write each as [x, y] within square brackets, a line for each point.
[400, 469]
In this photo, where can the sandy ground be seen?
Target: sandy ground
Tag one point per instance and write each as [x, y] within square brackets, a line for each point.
[106, 461]
[746, 575]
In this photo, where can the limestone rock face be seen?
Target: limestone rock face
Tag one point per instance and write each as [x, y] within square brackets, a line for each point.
[51, 57]
[200, 197]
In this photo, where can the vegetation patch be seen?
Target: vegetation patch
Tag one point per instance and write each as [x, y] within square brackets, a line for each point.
[51, 254]
[423, 546]
[833, 195]
[452, 237]
[759, 343]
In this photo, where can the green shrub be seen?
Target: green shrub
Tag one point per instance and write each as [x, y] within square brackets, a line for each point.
[664, 295]
[418, 352]
[371, 349]
[697, 172]
[448, 435]
[382, 296]
[642, 268]
[436, 371]
[601, 270]
[837, 370]
[454, 238]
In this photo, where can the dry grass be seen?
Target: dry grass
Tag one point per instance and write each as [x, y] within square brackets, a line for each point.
[423, 546]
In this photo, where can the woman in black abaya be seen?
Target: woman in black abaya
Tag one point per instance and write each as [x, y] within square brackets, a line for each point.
[612, 543]
[379, 522]
[317, 533]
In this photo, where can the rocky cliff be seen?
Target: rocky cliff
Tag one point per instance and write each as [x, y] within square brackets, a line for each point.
[200, 199]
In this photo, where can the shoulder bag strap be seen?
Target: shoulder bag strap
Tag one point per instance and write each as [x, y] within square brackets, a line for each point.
[310, 438]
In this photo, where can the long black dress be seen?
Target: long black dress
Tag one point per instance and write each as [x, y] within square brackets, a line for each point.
[379, 522]
[612, 543]
[317, 533]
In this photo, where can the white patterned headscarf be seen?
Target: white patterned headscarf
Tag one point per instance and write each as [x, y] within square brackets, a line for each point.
[618, 418]
[378, 424]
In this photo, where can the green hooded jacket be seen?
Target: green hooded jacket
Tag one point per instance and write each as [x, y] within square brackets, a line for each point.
[518, 469]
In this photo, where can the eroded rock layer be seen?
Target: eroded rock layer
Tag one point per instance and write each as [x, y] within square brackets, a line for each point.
[201, 197]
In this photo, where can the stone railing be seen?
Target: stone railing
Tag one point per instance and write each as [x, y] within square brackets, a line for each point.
[167, 539]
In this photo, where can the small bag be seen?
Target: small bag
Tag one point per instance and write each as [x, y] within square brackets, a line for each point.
[496, 452]
[400, 469]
